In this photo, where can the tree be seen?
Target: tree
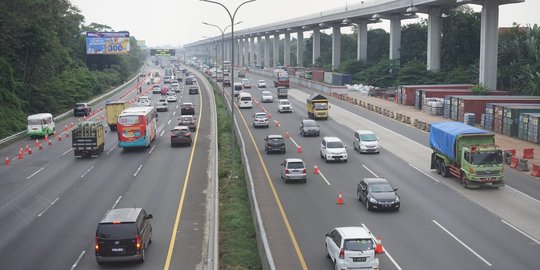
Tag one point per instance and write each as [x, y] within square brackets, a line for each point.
[460, 44]
[414, 42]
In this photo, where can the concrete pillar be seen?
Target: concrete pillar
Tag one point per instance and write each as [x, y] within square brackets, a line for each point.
[276, 50]
[316, 45]
[395, 37]
[434, 40]
[259, 51]
[266, 57]
[287, 50]
[336, 46]
[361, 46]
[489, 40]
[252, 52]
[246, 52]
[300, 49]
[240, 52]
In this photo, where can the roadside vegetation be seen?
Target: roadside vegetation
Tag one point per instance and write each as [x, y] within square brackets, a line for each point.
[237, 238]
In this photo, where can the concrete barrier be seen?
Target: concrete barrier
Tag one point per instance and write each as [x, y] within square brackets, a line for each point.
[523, 165]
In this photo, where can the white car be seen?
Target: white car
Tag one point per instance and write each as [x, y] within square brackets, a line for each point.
[284, 105]
[365, 141]
[171, 97]
[175, 87]
[332, 148]
[266, 96]
[261, 84]
[144, 101]
[260, 119]
[162, 105]
[352, 248]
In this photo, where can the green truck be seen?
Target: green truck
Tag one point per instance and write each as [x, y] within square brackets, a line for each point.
[88, 139]
[466, 152]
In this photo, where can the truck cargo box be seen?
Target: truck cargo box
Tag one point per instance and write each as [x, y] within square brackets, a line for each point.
[443, 136]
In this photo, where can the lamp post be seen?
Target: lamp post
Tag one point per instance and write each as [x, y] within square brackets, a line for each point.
[231, 16]
[222, 40]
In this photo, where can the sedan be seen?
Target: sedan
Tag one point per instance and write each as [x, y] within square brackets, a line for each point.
[377, 193]
[187, 108]
[180, 135]
[266, 96]
[260, 119]
[82, 109]
[274, 143]
[261, 84]
[246, 83]
[171, 97]
[309, 127]
[188, 121]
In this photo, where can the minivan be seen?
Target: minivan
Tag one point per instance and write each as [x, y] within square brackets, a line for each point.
[123, 235]
[238, 88]
[282, 92]
[245, 100]
[365, 141]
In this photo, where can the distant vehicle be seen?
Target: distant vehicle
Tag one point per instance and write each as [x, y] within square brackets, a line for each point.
[282, 92]
[238, 88]
[188, 121]
[266, 96]
[82, 109]
[365, 141]
[377, 193]
[309, 127]
[171, 97]
[193, 90]
[246, 83]
[241, 74]
[113, 109]
[293, 169]
[352, 248]
[162, 105]
[144, 101]
[284, 105]
[189, 80]
[332, 148]
[187, 108]
[167, 79]
[123, 235]
[226, 82]
[137, 127]
[88, 139]
[175, 87]
[274, 143]
[245, 100]
[280, 77]
[260, 119]
[40, 124]
[164, 90]
[156, 89]
[261, 84]
[181, 135]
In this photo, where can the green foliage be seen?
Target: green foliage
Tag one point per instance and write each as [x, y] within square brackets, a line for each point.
[460, 44]
[381, 74]
[479, 90]
[414, 42]
[414, 72]
[13, 118]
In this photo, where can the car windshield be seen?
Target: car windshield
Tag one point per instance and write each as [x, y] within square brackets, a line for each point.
[310, 124]
[486, 158]
[117, 231]
[295, 165]
[358, 244]
[321, 106]
[34, 121]
[285, 102]
[266, 94]
[334, 145]
[368, 137]
[162, 101]
[380, 187]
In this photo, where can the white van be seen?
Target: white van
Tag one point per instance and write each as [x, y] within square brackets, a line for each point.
[40, 124]
[245, 100]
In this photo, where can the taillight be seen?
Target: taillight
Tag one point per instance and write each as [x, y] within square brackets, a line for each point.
[287, 171]
[342, 253]
[187, 134]
[304, 171]
[173, 135]
[96, 246]
[138, 242]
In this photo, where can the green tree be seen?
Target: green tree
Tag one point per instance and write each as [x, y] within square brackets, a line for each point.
[414, 42]
[460, 43]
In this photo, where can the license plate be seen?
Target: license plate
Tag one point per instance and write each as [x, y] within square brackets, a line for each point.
[117, 250]
[359, 259]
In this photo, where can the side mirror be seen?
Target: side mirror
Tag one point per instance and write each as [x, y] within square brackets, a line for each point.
[395, 189]
[266, 139]
[327, 235]
[345, 146]
[149, 216]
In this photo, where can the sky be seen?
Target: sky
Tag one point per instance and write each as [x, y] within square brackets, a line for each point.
[172, 23]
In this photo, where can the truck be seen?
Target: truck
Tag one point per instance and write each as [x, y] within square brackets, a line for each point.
[317, 106]
[280, 78]
[88, 139]
[466, 152]
[113, 110]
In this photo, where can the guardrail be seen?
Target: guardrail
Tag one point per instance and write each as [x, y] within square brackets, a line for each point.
[62, 116]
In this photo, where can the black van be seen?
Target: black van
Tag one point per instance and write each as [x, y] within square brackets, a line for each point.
[123, 235]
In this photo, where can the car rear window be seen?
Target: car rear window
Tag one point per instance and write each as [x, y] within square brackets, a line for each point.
[245, 98]
[358, 244]
[295, 165]
[117, 231]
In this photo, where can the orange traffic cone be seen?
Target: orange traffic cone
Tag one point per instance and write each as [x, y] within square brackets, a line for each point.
[37, 142]
[379, 249]
[7, 162]
[269, 116]
[65, 128]
[286, 135]
[277, 123]
[71, 125]
[340, 199]
[20, 154]
[54, 133]
[315, 169]
[27, 149]
[60, 138]
[84, 118]
[299, 149]
[46, 138]
[40, 146]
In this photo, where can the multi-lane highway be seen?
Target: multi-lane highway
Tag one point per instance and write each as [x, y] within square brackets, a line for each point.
[51, 202]
[440, 226]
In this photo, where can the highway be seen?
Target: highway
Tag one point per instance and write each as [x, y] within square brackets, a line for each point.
[437, 227]
[51, 202]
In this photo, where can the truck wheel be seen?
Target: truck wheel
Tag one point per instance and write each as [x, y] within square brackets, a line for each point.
[438, 166]
[444, 170]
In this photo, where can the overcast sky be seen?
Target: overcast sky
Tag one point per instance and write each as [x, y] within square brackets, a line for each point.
[177, 22]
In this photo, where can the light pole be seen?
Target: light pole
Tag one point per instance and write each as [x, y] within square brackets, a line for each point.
[222, 40]
[231, 16]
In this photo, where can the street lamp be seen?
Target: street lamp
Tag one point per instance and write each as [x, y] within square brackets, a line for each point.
[231, 16]
[222, 40]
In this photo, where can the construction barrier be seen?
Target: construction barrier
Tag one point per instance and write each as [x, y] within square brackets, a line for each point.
[528, 153]
[523, 165]
[514, 163]
[535, 170]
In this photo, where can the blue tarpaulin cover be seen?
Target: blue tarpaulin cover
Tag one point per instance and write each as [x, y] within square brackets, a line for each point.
[443, 135]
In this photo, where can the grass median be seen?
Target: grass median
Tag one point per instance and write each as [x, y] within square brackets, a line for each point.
[237, 238]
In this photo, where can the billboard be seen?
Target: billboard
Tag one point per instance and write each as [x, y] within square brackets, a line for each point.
[163, 52]
[107, 42]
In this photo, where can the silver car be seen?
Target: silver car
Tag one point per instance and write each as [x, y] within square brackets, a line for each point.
[293, 169]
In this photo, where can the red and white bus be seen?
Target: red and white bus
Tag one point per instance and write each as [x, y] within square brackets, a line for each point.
[280, 78]
[137, 127]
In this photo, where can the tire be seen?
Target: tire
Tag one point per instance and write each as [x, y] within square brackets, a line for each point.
[368, 207]
[322, 155]
[444, 170]
[284, 151]
[304, 180]
[326, 159]
[143, 257]
[326, 251]
[318, 134]
[438, 166]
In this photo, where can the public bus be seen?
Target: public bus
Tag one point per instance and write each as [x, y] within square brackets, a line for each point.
[137, 127]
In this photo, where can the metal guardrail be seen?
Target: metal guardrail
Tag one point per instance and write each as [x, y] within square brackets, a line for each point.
[62, 116]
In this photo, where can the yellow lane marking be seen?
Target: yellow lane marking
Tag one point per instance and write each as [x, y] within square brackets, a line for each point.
[184, 188]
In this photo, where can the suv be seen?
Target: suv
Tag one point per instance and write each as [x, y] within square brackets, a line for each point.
[162, 105]
[352, 248]
[189, 121]
[366, 141]
[181, 135]
[193, 90]
[282, 92]
[274, 143]
[187, 108]
[123, 235]
[309, 127]
[81, 109]
[284, 105]
[332, 148]
[260, 119]
[293, 169]
[377, 193]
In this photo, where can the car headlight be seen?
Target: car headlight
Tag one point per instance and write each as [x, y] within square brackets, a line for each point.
[372, 200]
[397, 200]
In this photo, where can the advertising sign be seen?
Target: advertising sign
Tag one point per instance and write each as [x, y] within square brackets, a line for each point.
[163, 52]
[107, 42]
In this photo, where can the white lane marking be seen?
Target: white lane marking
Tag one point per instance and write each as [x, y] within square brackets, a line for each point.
[169, 122]
[112, 148]
[53, 202]
[462, 243]
[35, 173]
[365, 167]
[520, 192]
[293, 141]
[140, 166]
[150, 152]
[63, 154]
[177, 106]
[384, 249]
[78, 260]
[431, 177]
[87, 171]
[115, 203]
[323, 177]
[520, 231]
[174, 111]
[162, 133]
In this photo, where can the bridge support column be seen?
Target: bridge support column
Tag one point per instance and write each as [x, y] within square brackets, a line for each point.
[361, 49]
[276, 50]
[287, 50]
[316, 45]
[434, 40]
[240, 52]
[300, 49]
[259, 50]
[395, 37]
[246, 51]
[252, 50]
[489, 40]
[267, 51]
[336, 46]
